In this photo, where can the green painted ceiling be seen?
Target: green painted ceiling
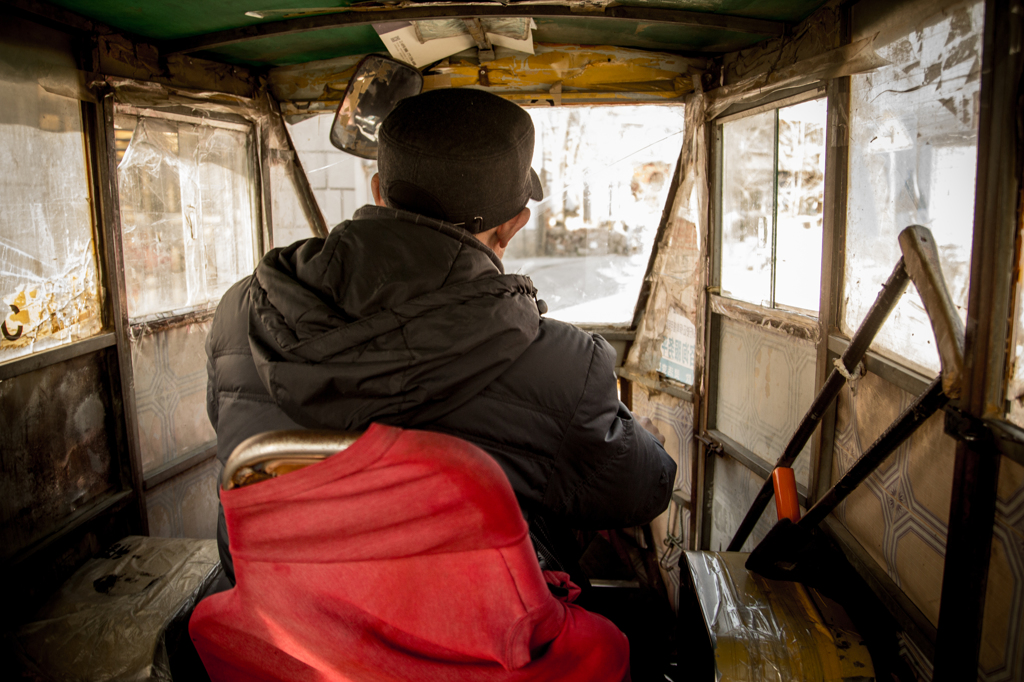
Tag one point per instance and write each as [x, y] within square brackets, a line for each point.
[160, 20]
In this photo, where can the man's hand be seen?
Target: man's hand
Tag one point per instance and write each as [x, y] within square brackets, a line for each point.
[652, 429]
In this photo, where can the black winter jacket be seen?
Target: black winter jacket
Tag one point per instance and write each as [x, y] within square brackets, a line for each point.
[412, 322]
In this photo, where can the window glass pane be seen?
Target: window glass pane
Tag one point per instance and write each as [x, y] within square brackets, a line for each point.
[187, 213]
[748, 186]
[290, 221]
[340, 181]
[48, 283]
[801, 199]
[913, 155]
[606, 174]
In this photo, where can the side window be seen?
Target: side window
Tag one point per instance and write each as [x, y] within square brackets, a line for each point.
[189, 219]
[773, 187]
[763, 329]
[340, 181]
[913, 156]
[48, 277]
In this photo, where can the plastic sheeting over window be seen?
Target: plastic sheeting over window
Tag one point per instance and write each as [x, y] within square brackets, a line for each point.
[913, 155]
[188, 212]
[48, 284]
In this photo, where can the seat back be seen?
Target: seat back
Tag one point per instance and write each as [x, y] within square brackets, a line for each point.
[275, 453]
[404, 557]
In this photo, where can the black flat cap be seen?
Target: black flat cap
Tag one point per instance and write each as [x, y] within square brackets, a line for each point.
[458, 155]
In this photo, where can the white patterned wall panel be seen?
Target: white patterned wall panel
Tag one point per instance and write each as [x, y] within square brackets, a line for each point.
[765, 385]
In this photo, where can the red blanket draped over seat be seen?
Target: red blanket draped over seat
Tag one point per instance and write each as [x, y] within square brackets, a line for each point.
[404, 557]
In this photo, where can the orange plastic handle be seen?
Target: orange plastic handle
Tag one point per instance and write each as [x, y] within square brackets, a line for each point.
[787, 505]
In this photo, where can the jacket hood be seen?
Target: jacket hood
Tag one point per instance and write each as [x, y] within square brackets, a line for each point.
[393, 317]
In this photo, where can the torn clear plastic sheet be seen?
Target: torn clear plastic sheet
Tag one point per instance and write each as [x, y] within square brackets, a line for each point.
[202, 103]
[187, 213]
[48, 276]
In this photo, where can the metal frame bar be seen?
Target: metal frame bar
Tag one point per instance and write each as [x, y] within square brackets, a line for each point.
[169, 470]
[795, 325]
[744, 456]
[903, 427]
[890, 294]
[989, 310]
[708, 416]
[153, 325]
[833, 256]
[661, 386]
[183, 118]
[105, 164]
[264, 162]
[217, 39]
[896, 374]
[772, 102]
[30, 363]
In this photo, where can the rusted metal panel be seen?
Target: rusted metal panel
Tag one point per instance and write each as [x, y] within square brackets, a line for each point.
[116, 55]
[579, 74]
[59, 451]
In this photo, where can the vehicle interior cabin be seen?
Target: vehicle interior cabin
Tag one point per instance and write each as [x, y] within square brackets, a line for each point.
[798, 222]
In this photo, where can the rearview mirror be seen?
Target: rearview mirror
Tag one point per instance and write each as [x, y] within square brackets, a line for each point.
[377, 86]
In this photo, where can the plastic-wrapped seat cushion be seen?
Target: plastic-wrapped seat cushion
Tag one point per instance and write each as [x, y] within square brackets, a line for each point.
[109, 620]
[404, 557]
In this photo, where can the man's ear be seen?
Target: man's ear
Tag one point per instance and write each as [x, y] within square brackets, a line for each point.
[508, 229]
[375, 189]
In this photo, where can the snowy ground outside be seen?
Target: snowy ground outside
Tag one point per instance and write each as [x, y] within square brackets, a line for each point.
[591, 289]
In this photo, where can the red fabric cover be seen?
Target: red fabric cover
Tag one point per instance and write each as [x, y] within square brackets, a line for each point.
[404, 557]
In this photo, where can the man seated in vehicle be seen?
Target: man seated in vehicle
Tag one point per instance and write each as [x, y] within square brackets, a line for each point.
[404, 316]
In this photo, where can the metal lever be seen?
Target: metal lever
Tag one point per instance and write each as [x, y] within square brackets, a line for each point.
[921, 259]
[920, 263]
